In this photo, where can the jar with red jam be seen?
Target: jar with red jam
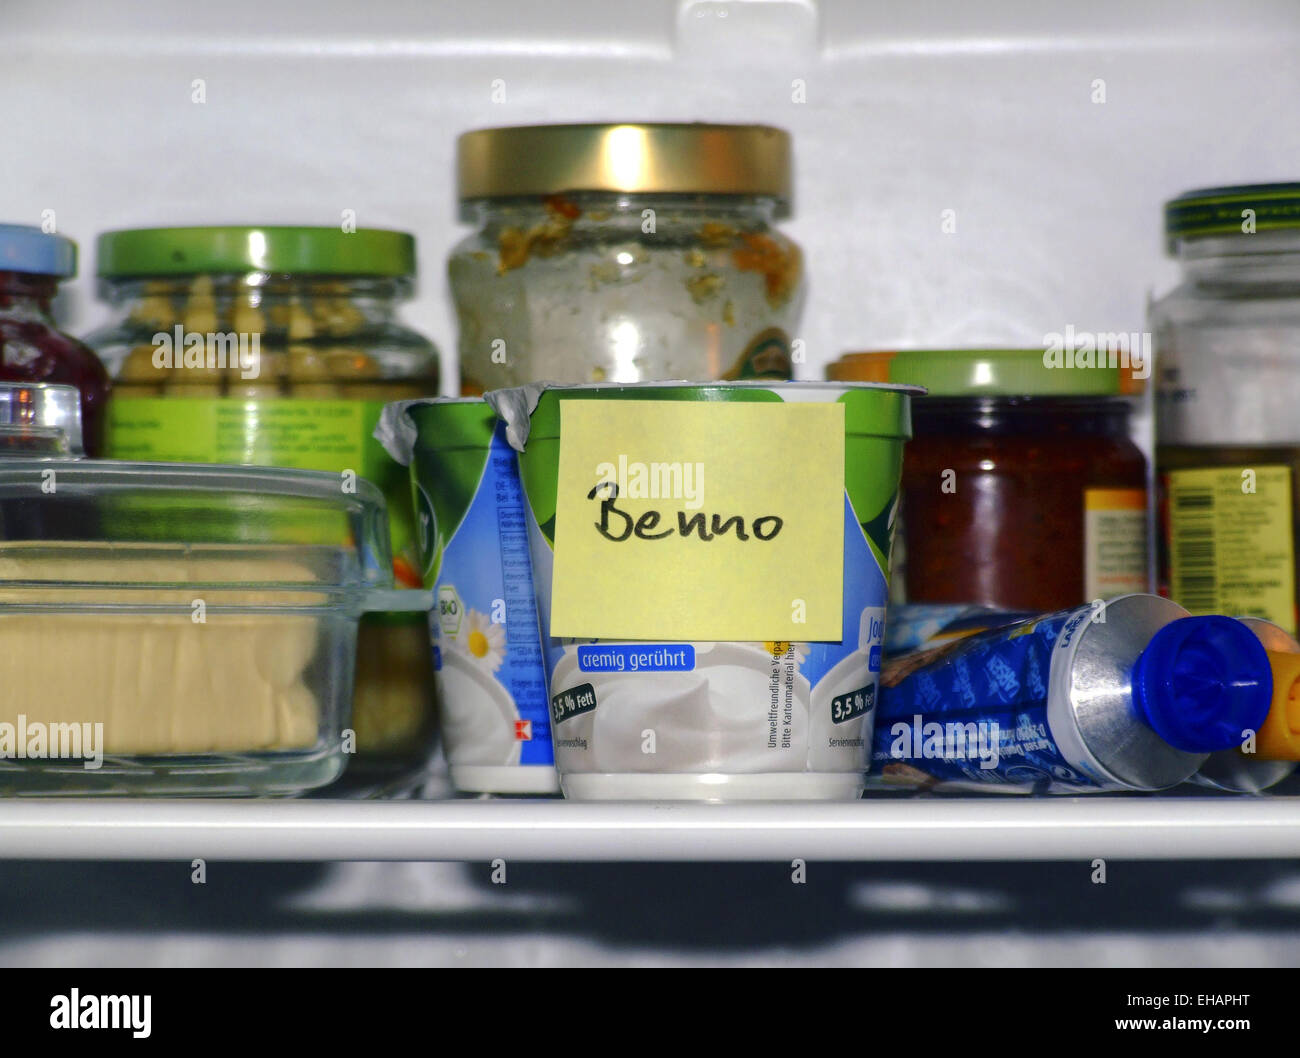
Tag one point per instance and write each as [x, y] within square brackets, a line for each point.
[32, 348]
[1022, 488]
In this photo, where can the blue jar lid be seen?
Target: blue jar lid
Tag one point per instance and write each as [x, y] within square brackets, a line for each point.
[24, 248]
[1201, 682]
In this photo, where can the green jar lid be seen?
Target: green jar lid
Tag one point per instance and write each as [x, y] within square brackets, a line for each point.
[255, 248]
[989, 372]
[1218, 211]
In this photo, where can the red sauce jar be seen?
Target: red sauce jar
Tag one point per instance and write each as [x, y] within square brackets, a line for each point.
[1022, 488]
[32, 348]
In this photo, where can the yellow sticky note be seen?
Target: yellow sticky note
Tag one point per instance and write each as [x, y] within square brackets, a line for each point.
[680, 520]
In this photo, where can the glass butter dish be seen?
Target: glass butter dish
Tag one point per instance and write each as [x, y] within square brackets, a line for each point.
[181, 629]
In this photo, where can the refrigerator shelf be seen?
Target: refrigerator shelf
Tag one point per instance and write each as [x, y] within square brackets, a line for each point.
[879, 829]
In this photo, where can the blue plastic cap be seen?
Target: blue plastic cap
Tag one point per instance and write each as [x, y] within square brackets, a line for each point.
[27, 249]
[1201, 681]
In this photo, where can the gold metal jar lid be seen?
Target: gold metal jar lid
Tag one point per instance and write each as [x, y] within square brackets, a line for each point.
[537, 160]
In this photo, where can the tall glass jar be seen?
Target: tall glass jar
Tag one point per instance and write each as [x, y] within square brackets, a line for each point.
[625, 253]
[1227, 434]
[280, 346]
[32, 348]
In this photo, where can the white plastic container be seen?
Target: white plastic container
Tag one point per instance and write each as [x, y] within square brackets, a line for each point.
[733, 721]
[473, 553]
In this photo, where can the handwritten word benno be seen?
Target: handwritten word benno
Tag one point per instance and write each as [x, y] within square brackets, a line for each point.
[670, 481]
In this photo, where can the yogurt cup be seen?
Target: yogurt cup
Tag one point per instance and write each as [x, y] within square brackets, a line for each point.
[474, 554]
[710, 703]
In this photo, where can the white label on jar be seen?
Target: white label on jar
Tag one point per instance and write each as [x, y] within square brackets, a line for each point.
[1228, 385]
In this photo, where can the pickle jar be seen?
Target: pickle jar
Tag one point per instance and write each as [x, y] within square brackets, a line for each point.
[624, 253]
[279, 346]
[1022, 488]
[32, 348]
[1227, 344]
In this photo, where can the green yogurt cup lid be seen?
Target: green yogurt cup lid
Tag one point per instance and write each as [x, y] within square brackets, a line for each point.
[255, 248]
[988, 372]
[453, 422]
[432, 423]
[869, 408]
[1218, 211]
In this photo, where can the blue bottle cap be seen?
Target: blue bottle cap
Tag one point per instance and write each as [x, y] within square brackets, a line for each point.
[27, 249]
[1201, 681]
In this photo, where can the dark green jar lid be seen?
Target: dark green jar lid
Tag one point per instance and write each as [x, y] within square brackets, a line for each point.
[1218, 211]
[255, 248]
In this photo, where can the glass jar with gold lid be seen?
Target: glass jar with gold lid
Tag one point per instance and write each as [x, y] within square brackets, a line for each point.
[625, 253]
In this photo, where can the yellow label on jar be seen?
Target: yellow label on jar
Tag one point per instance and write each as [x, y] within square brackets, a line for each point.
[1114, 542]
[1231, 549]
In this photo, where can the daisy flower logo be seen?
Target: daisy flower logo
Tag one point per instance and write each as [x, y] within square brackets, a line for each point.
[796, 652]
[482, 640]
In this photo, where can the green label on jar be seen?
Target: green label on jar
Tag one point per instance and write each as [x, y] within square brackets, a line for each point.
[328, 435]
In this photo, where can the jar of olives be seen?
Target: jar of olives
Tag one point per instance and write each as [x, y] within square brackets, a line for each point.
[280, 346]
[625, 253]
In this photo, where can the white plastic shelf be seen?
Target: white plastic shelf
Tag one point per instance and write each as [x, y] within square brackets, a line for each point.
[880, 830]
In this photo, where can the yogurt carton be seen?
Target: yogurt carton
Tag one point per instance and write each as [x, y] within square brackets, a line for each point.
[473, 546]
[755, 720]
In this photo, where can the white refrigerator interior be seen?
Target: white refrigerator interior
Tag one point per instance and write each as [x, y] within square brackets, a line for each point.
[980, 173]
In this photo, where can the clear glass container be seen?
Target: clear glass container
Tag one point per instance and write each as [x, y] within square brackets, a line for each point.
[1227, 342]
[176, 629]
[280, 346]
[625, 253]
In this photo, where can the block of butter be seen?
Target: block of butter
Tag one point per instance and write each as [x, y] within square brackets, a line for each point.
[190, 681]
